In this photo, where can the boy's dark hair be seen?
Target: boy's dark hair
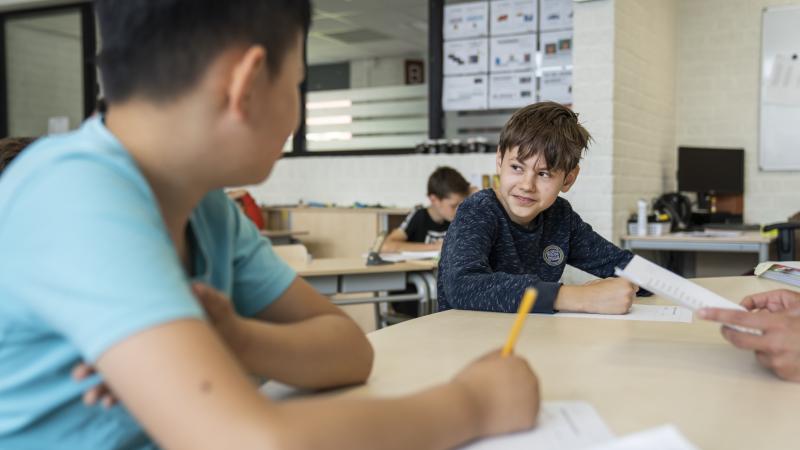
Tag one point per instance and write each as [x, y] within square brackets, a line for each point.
[445, 181]
[161, 48]
[11, 147]
[548, 129]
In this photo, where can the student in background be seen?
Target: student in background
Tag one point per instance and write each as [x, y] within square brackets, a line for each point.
[424, 228]
[249, 206]
[522, 233]
[146, 233]
[777, 314]
[11, 147]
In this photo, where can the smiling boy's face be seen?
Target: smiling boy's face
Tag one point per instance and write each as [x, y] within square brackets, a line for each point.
[529, 187]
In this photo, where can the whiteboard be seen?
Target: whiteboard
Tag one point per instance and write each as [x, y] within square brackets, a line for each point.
[779, 108]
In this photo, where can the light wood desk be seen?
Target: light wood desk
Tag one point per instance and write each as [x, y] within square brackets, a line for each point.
[331, 276]
[336, 232]
[637, 374]
[282, 237]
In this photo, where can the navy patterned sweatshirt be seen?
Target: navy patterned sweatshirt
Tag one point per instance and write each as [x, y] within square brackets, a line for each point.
[488, 261]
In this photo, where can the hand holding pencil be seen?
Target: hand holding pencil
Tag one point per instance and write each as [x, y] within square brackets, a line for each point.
[503, 386]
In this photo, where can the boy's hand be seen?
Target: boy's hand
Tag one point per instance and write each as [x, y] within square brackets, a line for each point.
[99, 392]
[504, 390]
[221, 315]
[608, 296]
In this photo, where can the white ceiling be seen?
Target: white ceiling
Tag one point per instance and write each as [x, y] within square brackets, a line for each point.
[403, 23]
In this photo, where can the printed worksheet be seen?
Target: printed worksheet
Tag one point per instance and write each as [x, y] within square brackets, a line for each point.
[661, 281]
[665, 437]
[564, 425]
[651, 313]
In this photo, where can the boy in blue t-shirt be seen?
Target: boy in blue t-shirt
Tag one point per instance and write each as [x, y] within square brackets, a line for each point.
[522, 233]
[201, 95]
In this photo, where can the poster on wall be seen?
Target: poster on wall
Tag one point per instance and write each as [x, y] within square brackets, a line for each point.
[511, 90]
[465, 92]
[556, 48]
[513, 53]
[556, 15]
[466, 20]
[513, 17]
[469, 56]
[556, 86]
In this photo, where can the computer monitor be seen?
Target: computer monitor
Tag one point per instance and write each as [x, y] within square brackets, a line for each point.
[711, 170]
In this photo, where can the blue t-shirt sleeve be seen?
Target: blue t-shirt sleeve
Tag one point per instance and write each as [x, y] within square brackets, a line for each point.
[92, 258]
[260, 276]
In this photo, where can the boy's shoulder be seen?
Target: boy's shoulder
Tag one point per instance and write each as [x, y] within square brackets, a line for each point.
[89, 146]
[481, 199]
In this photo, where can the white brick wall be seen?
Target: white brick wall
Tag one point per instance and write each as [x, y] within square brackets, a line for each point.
[593, 93]
[644, 103]
[390, 180]
[717, 95]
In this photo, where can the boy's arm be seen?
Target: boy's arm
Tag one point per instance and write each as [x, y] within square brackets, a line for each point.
[469, 280]
[397, 241]
[301, 339]
[201, 400]
[591, 252]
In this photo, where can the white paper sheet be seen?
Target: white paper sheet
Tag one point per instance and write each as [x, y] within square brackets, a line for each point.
[513, 17]
[563, 425]
[465, 93]
[661, 281]
[652, 313]
[512, 90]
[411, 256]
[465, 20]
[665, 437]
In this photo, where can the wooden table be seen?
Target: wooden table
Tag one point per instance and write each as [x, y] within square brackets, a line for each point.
[331, 276]
[637, 374]
[282, 237]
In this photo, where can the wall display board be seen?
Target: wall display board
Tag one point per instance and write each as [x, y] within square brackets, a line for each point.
[779, 108]
[501, 50]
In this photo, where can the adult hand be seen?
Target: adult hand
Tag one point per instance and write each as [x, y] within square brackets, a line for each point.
[778, 347]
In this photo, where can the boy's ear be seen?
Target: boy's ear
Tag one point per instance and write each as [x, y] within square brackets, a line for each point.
[433, 199]
[499, 158]
[570, 178]
[242, 82]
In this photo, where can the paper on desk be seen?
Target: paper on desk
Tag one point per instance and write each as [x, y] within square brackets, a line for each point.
[406, 256]
[661, 281]
[665, 437]
[563, 425]
[651, 313]
[762, 267]
[410, 256]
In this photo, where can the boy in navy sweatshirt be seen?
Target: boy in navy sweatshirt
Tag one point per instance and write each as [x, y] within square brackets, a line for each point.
[522, 234]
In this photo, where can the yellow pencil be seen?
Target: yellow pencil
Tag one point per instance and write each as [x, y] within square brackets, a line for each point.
[525, 307]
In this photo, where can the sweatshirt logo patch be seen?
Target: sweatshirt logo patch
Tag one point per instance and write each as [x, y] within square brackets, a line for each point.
[553, 255]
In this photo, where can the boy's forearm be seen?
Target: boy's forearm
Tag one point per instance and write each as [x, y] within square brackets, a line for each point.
[570, 298]
[437, 418]
[320, 352]
[500, 292]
